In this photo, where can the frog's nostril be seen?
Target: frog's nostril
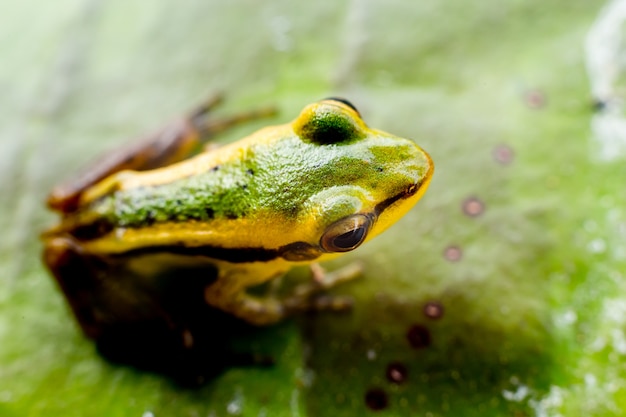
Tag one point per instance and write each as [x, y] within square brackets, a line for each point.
[412, 189]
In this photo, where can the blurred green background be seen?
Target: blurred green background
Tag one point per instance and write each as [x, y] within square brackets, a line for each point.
[501, 294]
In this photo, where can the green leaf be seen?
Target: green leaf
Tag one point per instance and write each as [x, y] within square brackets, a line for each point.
[501, 293]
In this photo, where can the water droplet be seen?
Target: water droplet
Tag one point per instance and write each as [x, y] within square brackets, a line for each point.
[590, 380]
[567, 318]
[235, 406]
[518, 395]
[597, 246]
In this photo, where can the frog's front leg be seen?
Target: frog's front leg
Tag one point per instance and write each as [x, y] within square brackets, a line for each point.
[229, 293]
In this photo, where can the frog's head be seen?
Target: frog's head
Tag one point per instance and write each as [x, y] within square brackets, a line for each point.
[357, 181]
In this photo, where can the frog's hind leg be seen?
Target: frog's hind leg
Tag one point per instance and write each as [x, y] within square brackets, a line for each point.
[103, 295]
[207, 127]
[160, 324]
[170, 144]
[74, 275]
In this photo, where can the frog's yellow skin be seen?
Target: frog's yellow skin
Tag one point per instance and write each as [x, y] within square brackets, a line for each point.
[287, 195]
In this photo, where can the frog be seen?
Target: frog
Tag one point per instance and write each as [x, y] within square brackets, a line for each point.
[171, 226]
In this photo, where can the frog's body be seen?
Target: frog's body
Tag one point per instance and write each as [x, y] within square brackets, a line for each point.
[246, 213]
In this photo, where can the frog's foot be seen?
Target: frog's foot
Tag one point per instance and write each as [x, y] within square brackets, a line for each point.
[325, 280]
[234, 300]
[307, 297]
[271, 308]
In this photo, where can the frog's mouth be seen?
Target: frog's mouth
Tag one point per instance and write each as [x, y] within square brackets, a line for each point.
[410, 191]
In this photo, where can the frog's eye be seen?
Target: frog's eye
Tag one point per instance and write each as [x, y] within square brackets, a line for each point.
[344, 101]
[328, 122]
[346, 234]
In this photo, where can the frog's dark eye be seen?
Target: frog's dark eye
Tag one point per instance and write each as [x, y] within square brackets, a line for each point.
[344, 101]
[346, 234]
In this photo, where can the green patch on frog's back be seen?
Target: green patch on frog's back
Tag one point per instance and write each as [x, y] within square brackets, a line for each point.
[202, 197]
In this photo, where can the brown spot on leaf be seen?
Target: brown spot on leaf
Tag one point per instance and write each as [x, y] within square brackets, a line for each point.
[503, 154]
[453, 253]
[376, 399]
[397, 372]
[418, 336]
[473, 207]
[535, 99]
[433, 310]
